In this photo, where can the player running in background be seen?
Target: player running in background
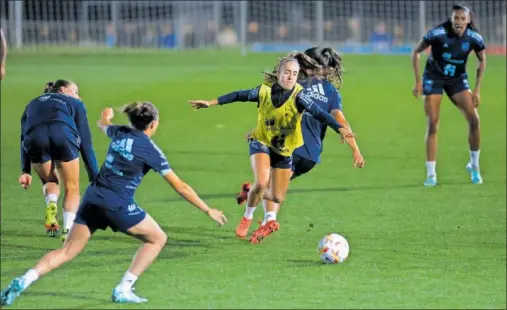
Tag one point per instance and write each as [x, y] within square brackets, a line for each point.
[451, 42]
[109, 202]
[3, 54]
[326, 95]
[54, 130]
[281, 103]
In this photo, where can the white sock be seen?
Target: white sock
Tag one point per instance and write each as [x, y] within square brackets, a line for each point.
[270, 216]
[29, 277]
[68, 219]
[474, 158]
[264, 203]
[51, 198]
[430, 166]
[127, 282]
[249, 212]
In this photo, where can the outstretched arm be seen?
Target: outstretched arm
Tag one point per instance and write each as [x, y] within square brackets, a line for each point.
[248, 95]
[305, 103]
[351, 141]
[157, 161]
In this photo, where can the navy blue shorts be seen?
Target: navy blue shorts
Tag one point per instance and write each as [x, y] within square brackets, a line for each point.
[119, 218]
[277, 161]
[55, 141]
[437, 87]
[301, 165]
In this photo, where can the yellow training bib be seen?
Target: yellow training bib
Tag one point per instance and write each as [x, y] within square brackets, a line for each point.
[279, 128]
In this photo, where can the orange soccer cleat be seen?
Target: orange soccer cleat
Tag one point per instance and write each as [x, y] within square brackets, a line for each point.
[242, 229]
[264, 231]
[243, 195]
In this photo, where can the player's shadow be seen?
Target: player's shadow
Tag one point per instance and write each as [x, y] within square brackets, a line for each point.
[198, 232]
[208, 153]
[298, 263]
[83, 296]
[306, 190]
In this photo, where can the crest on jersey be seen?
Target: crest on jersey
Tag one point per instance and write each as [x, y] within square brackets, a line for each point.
[465, 46]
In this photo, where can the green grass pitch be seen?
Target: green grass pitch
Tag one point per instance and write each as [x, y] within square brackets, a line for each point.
[411, 247]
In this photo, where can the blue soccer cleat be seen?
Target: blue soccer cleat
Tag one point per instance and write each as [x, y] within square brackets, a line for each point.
[475, 174]
[431, 181]
[127, 297]
[12, 291]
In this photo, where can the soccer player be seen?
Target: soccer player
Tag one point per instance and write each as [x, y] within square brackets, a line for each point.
[54, 130]
[281, 103]
[3, 54]
[320, 84]
[451, 42]
[109, 202]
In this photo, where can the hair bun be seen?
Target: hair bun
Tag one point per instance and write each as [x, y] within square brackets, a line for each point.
[48, 87]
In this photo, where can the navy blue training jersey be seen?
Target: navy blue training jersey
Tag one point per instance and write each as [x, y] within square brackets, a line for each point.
[130, 156]
[327, 97]
[52, 107]
[449, 53]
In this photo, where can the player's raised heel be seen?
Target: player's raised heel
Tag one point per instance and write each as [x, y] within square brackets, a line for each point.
[126, 297]
[475, 174]
[430, 181]
[264, 231]
[469, 167]
[51, 223]
[14, 289]
[242, 196]
[243, 226]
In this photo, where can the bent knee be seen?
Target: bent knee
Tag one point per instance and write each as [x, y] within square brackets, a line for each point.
[260, 186]
[162, 239]
[278, 198]
[71, 187]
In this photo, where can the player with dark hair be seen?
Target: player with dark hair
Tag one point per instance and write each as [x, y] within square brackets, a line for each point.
[54, 130]
[451, 42]
[109, 202]
[281, 104]
[321, 75]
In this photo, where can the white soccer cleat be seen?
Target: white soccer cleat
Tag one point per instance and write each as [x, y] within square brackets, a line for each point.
[430, 181]
[127, 297]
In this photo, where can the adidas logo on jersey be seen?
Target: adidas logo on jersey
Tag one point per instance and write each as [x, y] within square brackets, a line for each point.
[317, 92]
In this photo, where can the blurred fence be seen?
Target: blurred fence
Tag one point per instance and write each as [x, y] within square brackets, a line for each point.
[349, 25]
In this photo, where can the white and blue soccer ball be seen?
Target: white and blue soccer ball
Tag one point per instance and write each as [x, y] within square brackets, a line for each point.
[333, 249]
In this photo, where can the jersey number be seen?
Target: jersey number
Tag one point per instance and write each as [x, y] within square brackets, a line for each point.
[449, 70]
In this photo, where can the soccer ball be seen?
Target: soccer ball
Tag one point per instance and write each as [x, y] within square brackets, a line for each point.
[333, 249]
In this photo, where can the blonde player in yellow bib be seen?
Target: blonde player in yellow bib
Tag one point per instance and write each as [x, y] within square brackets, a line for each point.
[281, 103]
